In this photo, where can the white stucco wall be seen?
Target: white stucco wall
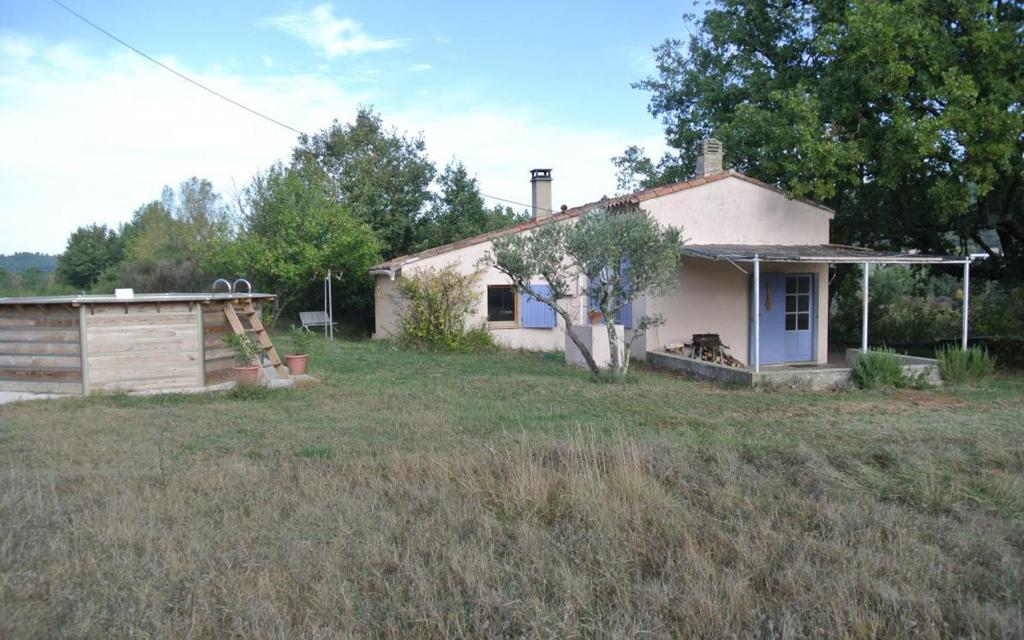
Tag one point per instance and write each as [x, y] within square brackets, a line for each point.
[713, 296]
[466, 260]
[734, 211]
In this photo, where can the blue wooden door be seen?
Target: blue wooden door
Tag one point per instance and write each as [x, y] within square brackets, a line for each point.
[786, 306]
[799, 324]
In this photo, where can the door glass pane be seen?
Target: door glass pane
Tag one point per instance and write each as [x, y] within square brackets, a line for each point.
[805, 284]
[790, 304]
[804, 303]
[803, 322]
[790, 285]
[790, 322]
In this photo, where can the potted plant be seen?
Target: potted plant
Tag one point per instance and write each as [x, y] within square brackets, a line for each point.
[300, 346]
[247, 357]
[595, 317]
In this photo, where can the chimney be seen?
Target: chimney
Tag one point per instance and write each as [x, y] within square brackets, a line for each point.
[540, 185]
[709, 157]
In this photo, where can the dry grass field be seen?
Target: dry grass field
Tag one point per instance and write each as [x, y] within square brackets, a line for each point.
[505, 495]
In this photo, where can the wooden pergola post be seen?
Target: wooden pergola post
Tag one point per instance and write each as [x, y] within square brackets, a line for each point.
[864, 320]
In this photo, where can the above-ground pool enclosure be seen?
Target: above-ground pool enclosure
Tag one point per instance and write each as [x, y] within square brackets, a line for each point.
[147, 342]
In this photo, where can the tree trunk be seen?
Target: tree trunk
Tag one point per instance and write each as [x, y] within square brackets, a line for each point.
[587, 356]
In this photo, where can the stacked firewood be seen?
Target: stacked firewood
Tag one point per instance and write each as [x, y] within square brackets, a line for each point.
[707, 347]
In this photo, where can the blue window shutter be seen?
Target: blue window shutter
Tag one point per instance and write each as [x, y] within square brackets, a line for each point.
[534, 314]
[626, 315]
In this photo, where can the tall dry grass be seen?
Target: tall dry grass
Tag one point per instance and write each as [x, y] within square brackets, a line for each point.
[588, 537]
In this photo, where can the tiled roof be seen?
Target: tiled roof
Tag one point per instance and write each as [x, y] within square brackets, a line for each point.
[397, 263]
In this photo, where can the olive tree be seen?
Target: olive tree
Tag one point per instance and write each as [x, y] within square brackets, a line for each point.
[624, 255]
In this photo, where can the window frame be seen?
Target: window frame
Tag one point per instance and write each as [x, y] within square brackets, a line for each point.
[514, 322]
[796, 296]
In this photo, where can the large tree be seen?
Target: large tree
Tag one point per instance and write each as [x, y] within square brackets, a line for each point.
[90, 251]
[904, 116]
[624, 256]
[380, 176]
[292, 231]
[458, 211]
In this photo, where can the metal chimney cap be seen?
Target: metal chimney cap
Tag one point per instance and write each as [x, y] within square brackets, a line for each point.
[540, 174]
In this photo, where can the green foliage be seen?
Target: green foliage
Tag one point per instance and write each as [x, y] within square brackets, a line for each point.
[433, 310]
[625, 255]
[958, 366]
[380, 176]
[903, 116]
[292, 232]
[90, 250]
[877, 369]
[301, 339]
[24, 260]
[459, 211]
[31, 282]
[246, 349]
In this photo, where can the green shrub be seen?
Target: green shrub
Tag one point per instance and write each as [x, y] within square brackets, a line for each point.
[958, 366]
[876, 369]
[433, 308]
[300, 340]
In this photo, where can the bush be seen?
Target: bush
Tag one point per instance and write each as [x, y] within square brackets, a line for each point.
[958, 366]
[433, 308]
[876, 369]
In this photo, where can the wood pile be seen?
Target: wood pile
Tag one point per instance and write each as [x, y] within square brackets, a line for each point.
[707, 347]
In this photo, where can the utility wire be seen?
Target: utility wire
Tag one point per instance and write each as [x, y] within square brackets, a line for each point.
[221, 95]
[521, 204]
[172, 70]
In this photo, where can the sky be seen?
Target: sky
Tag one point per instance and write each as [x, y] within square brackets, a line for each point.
[89, 130]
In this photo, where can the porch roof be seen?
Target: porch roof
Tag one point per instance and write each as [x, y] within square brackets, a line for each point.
[828, 253]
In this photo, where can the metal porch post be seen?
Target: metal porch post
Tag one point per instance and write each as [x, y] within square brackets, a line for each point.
[967, 304]
[864, 320]
[757, 314]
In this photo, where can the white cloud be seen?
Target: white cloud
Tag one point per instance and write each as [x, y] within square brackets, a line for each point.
[330, 35]
[90, 137]
[421, 67]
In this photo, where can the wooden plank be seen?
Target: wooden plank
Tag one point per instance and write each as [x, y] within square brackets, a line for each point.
[117, 360]
[83, 343]
[127, 374]
[162, 384]
[219, 376]
[108, 346]
[40, 386]
[39, 348]
[37, 335]
[52, 375]
[59, 362]
[34, 312]
[142, 321]
[144, 330]
[218, 365]
[201, 347]
[16, 322]
[137, 309]
[220, 353]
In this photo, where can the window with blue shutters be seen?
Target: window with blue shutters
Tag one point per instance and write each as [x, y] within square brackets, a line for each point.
[534, 313]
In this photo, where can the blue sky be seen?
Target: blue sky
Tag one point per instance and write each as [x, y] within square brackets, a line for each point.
[91, 131]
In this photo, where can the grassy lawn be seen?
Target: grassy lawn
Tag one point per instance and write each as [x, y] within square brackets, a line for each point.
[506, 495]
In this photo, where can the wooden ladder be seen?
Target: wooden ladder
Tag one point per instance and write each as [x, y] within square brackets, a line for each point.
[256, 328]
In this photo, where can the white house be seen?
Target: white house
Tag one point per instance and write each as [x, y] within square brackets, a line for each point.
[745, 241]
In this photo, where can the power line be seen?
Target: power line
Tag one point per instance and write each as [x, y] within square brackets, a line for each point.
[521, 204]
[172, 70]
[221, 95]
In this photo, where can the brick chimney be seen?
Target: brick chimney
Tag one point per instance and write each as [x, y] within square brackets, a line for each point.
[540, 185]
[709, 157]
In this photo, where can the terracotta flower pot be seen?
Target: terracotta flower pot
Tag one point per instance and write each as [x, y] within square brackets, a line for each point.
[595, 317]
[296, 363]
[246, 376]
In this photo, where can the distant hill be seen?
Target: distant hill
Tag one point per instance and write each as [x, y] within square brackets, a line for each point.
[23, 261]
